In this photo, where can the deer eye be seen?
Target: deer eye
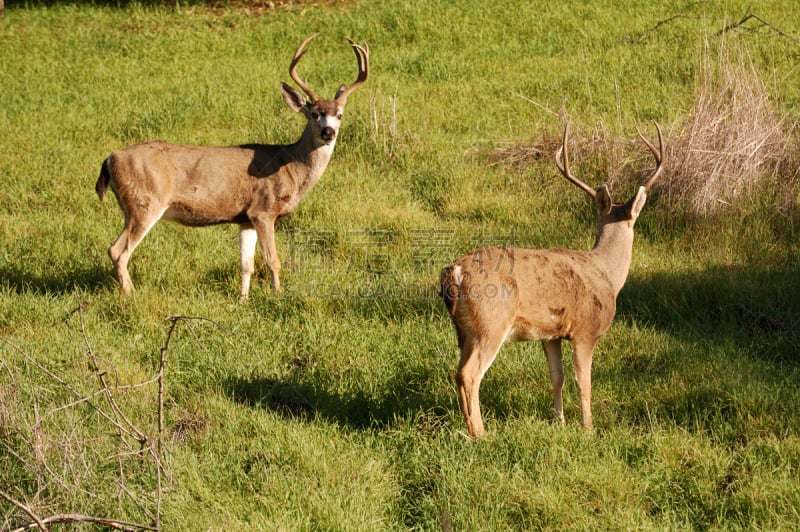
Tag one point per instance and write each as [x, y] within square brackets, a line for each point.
[339, 116]
[314, 115]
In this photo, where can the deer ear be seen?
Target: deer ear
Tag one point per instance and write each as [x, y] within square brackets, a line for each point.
[603, 200]
[638, 203]
[293, 98]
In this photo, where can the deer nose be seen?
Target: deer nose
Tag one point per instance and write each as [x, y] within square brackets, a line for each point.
[328, 133]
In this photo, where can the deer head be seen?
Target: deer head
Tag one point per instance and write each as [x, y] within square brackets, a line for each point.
[324, 116]
[608, 212]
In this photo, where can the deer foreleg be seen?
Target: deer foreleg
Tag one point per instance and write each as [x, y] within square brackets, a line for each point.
[552, 349]
[247, 248]
[469, 383]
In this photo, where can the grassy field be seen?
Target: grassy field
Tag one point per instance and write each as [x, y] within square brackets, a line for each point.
[333, 406]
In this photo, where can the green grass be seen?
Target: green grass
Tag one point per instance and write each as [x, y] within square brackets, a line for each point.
[334, 406]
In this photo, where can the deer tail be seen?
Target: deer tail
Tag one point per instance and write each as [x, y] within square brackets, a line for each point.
[104, 179]
[450, 286]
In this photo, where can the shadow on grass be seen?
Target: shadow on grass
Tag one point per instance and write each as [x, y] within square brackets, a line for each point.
[59, 282]
[303, 300]
[755, 309]
[714, 315]
[746, 305]
[296, 398]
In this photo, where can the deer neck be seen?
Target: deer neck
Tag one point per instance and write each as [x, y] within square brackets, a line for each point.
[613, 251]
[310, 158]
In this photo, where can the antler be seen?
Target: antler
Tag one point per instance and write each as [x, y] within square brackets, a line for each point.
[293, 69]
[658, 154]
[362, 56]
[562, 162]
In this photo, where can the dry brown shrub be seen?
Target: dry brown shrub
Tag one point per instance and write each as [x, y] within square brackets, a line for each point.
[732, 142]
[597, 155]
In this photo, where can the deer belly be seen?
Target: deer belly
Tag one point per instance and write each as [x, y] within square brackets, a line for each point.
[546, 327]
[196, 217]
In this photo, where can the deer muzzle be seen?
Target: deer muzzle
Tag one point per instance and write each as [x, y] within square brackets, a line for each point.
[328, 134]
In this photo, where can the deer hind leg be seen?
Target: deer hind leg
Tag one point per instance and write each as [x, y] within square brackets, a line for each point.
[265, 229]
[582, 360]
[136, 227]
[247, 248]
[552, 349]
[476, 358]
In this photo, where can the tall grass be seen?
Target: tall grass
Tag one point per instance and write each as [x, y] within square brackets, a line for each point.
[333, 405]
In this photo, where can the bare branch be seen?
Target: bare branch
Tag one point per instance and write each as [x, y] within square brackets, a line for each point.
[735, 25]
[80, 308]
[537, 104]
[668, 20]
[56, 378]
[115, 416]
[175, 320]
[137, 434]
[79, 518]
[176, 317]
[8, 369]
[100, 392]
[135, 501]
[727, 28]
[37, 521]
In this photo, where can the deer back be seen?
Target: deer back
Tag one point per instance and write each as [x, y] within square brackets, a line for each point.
[198, 185]
[533, 294]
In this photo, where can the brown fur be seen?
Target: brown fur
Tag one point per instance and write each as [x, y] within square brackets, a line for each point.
[499, 294]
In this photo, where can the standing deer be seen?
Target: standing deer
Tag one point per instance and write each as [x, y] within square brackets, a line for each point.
[496, 294]
[252, 185]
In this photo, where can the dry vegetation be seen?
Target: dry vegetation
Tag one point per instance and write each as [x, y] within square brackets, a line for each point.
[62, 457]
[731, 145]
[599, 151]
[732, 142]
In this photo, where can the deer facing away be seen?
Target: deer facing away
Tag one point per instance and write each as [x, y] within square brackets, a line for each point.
[496, 295]
[251, 185]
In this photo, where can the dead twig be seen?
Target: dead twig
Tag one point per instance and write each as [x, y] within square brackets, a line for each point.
[175, 320]
[666, 21]
[729, 27]
[79, 518]
[99, 392]
[735, 25]
[669, 20]
[80, 308]
[113, 414]
[137, 434]
[37, 521]
[129, 427]
[116, 417]
[58, 379]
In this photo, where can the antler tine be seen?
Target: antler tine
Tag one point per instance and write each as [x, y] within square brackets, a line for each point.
[657, 154]
[293, 68]
[362, 56]
[562, 162]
